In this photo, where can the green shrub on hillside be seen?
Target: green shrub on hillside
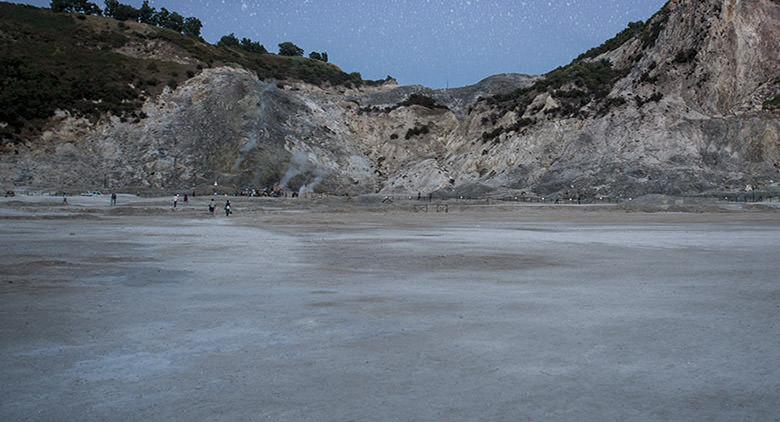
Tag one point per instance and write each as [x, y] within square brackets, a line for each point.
[417, 131]
[772, 103]
[289, 49]
[51, 61]
[654, 26]
[323, 57]
[686, 56]
[574, 86]
[633, 29]
[421, 100]
[75, 6]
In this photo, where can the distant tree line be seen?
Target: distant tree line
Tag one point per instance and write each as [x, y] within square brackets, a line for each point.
[75, 6]
[246, 44]
[286, 48]
[174, 21]
[124, 12]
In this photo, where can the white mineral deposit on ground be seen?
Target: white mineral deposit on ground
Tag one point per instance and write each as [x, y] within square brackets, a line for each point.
[340, 310]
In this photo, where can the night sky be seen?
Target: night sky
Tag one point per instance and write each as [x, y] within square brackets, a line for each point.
[431, 42]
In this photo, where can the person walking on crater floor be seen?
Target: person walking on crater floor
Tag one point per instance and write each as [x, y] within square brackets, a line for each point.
[186, 199]
[228, 211]
[113, 198]
[175, 200]
[212, 206]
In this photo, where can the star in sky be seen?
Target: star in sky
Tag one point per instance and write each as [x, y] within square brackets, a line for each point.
[436, 43]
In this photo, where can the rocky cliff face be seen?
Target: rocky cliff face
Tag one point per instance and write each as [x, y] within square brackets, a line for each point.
[679, 106]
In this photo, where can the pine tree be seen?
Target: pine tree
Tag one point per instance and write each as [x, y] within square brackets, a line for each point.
[290, 49]
[146, 13]
[192, 27]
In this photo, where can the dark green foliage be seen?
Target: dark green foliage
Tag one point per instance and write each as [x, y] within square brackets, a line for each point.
[192, 27]
[59, 6]
[414, 99]
[252, 46]
[417, 131]
[611, 103]
[289, 49]
[656, 97]
[655, 25]
[686, 56]
[146, 13]
[421, 100]
[772, 103]
[583, 82]
[633, 29]
[75, 6]
[55, 61]
[595, 78]
[495, 133]
[647, 78]
[169, 20]
[647, 31]
[109, 10]
[323, 57]
[161, 18]
[575, 86]
[229, 40]
[245, 44]
[127, 13]
[175, 22]
[378, 82]
[121, 12]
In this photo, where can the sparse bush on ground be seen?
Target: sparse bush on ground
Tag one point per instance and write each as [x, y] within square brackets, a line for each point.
[772, 103]
[656, 97]
[417, 131]
[686, 56]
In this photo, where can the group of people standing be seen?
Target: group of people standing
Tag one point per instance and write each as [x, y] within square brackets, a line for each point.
[176, 200]
[212, 204]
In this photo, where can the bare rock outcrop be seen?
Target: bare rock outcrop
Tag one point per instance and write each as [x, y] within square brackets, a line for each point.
[683, 110]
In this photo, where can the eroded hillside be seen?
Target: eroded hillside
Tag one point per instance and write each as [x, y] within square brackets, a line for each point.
[683, 103]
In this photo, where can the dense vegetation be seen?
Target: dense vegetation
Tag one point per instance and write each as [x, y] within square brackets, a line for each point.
[145, 14]
[246, 44]
[584, 82]
[574, 86]
[633, 29]
[51, 61]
